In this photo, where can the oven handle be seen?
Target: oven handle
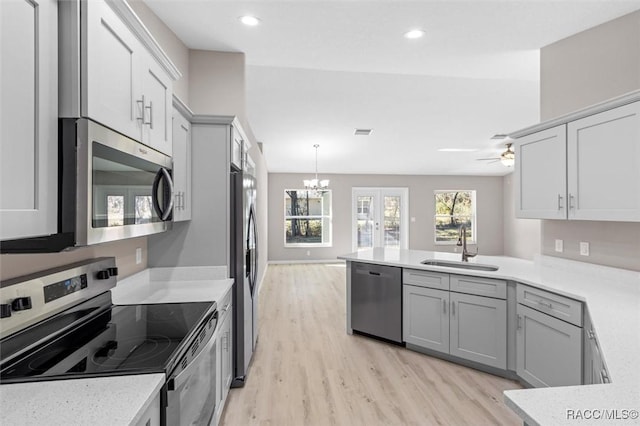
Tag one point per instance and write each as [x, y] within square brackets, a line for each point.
[163, 213]
[176, 380]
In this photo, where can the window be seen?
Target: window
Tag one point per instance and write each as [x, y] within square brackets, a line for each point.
[143, 208]
[307, 218]
[115, 210]
[453, 210]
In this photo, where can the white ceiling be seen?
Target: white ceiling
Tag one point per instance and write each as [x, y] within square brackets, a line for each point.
[316, 70]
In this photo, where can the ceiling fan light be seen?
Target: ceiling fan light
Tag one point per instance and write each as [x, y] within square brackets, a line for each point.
[508, 159]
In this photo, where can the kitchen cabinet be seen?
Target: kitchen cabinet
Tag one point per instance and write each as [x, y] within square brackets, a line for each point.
[603, 167]
[115, 73]
[151, 416]
[426, 317]
[29, 119]
[549, 350]
[586, 168]
[595, 370]
[181, 128]
[466, 325]
[541, 179]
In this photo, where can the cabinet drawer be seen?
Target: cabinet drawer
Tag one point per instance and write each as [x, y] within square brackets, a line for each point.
[425, 279]
[481, 286]
[561, 307]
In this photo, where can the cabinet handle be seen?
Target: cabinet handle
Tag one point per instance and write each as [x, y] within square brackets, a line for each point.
[546, 305]
[374, 273]
[444, 306]
[560, 206]
[571, 205]
[150, 108]
[453, 308]
[519, 322]
[142, 109]
[591, 335]
[604, 376]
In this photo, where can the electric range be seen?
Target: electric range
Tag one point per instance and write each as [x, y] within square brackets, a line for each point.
[61, 324]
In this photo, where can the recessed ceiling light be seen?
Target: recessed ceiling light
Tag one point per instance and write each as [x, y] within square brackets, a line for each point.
[457, 150]
[414, 34]
[249, 20]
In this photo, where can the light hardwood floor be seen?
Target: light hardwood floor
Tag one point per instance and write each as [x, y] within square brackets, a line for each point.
[308, 371]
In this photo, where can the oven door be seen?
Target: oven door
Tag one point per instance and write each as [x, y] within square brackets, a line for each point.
[191, 388]
[124, 188]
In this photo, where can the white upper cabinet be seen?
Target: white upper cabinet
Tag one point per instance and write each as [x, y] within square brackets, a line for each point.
[114, 72]
[181, 167]
[157, 91]
[586, 167]
[604, 165]
[29, 119]
[111, 85]
[541, 174]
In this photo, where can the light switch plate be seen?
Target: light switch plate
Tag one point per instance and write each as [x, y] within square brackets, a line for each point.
[138, 256]
[559, 246]
[584, 248]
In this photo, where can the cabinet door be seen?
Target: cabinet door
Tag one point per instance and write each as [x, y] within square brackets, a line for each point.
[540, 172]
[29, 119]
[549, 351]
[227, 355]
[157, 89]
[426, 317]
[181, 167]
[604, 165]
[111, 92]
[478, 329]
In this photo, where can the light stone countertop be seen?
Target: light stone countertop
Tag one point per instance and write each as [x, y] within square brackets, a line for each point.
[102, 401]
[612, 297]
[115, 400]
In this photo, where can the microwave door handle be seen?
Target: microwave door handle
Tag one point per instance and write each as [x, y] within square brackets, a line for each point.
[163, 213]
[169, 198]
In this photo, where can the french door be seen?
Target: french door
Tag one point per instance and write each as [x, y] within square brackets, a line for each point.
[380, 218]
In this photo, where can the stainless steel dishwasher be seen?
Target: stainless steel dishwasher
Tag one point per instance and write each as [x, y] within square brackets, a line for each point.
[376, 300]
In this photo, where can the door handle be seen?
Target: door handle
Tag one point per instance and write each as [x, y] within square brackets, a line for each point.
[444, 306]
[453, 308]
[519, 322]
[150, 108]
[165, 211]
[571, 205]
[560, 202]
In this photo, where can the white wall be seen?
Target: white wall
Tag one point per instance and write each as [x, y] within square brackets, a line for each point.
[521, 236]
[421, 207]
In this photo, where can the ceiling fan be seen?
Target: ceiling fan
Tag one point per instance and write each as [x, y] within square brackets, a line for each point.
[507, 158]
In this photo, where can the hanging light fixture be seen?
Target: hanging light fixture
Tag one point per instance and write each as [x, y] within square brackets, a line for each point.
[508, 158]
[315, 183]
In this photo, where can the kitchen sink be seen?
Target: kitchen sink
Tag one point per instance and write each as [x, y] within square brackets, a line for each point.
[461, 265]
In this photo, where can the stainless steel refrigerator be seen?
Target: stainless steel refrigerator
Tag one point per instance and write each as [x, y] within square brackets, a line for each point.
[244, 270]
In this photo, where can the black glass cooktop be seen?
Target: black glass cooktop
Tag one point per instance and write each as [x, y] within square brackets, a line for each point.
[124, 339]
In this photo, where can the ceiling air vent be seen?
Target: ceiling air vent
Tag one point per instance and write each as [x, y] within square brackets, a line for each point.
[362, 132]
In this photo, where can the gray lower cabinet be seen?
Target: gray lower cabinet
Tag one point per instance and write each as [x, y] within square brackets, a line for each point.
[478, 329]
[426, 317]
[467, 326]
[549, 350]
[594, 369]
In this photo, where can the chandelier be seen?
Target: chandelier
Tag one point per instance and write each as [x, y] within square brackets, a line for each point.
[315, 183]
[507, 158]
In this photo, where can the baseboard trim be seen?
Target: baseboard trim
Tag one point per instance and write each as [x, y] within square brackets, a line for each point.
[293, 262]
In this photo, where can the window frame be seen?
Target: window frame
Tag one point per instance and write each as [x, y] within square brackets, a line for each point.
[474, 217]
[320, 217]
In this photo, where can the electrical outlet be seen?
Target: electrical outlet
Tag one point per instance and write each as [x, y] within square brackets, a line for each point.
[308, 252]
[559, 246]
[584, 248]
[413, 220]
[138, 256]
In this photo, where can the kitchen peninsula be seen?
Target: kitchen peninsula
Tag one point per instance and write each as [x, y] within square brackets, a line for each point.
[556, 288]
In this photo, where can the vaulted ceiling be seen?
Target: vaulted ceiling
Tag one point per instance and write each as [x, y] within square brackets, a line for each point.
[317, 70]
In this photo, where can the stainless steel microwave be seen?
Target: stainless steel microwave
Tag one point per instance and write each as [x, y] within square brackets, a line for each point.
[110, 187]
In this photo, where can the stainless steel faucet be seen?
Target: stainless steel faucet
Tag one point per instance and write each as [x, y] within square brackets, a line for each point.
[462, 241]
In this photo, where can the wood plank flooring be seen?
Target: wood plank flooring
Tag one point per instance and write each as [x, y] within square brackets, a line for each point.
[308, 371]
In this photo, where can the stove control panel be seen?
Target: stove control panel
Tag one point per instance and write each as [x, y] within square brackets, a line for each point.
[62, 288]
[26, 300]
